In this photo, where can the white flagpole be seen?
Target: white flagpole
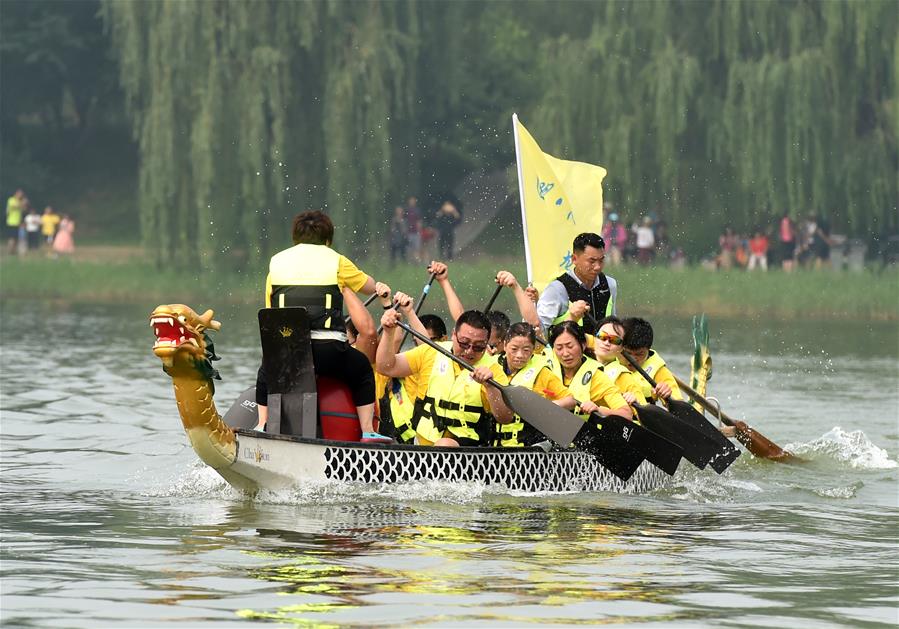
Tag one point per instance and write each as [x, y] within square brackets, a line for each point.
[524, 220]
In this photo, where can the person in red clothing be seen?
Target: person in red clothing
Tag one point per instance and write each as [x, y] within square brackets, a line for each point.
[758, 251]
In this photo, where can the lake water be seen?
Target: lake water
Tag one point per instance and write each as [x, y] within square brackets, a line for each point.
[109, 520]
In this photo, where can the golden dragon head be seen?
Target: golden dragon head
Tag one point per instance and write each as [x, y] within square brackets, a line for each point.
[182, 342]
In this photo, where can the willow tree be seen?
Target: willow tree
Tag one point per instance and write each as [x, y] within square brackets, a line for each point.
[246, 112]
[724, 109]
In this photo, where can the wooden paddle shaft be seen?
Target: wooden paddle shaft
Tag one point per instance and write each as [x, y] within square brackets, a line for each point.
[704, 403]
[755, 442]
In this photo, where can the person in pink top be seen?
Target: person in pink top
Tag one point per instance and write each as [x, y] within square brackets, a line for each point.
[615, 236]
[64, 242]
[787, 239]
[758, 251]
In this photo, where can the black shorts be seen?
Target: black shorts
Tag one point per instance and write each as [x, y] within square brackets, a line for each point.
[335, 359]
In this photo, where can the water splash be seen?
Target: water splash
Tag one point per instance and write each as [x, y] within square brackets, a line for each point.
[849, 448]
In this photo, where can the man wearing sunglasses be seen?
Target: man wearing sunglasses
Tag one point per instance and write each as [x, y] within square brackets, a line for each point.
[582, 288]
[452, 406]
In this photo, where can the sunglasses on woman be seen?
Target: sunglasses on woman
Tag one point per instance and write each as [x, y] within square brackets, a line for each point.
[610, 338]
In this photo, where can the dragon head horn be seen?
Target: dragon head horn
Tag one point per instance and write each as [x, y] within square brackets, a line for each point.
[209, 322]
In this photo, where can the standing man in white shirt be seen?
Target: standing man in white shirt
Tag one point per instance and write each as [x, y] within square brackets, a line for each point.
[583, 288]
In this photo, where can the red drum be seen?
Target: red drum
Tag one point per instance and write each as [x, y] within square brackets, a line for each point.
[339, 421]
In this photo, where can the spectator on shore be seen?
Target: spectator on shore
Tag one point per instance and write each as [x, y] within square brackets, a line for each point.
[64, 242]
[615, 235]
[398, 235]
[646, 242]
[49, 223]
[33, 229]
[630, 247]
[758, 251]
[414, 229]
[821, 243]
[787, 238]
[660, 228]
[15, 206]
[727, 245]
[445, 222]
[804, 244]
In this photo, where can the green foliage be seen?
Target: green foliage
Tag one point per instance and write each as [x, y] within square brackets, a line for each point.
[58, 88]
[726, 111]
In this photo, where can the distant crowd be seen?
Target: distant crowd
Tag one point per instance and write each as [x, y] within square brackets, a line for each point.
[412, 232]
[787, 243]
[28, 230]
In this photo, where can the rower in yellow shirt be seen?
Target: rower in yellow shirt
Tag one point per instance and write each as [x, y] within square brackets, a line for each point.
[638, 339]
[522, 367]
[582, 374]
[453, 407]
[607, 346]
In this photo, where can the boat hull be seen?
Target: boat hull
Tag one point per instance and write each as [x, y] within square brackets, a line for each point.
[276, 461]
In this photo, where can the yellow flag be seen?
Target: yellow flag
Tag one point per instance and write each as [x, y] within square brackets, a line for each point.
[559, 200]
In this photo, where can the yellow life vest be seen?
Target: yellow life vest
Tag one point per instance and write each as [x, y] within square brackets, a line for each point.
[651, 366]
[452, 403]
[508, 434]
[402, 408]
[582, 379]
[306, 276]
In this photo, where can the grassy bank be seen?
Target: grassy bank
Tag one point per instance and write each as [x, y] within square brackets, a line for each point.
[122, 275]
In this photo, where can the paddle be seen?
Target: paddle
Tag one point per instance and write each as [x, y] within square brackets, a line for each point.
[421, 300]
[757, 443]
[493, 298]
[612, 430]
[368, 301]
[704, 442]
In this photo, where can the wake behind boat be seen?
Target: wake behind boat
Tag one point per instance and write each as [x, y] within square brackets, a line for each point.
[250, 460]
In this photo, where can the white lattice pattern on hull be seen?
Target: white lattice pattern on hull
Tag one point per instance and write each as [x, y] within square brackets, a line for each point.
[531, 471]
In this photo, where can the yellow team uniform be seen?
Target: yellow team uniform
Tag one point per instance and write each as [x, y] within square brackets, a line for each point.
[590, 383]
[448, 403]
[654, 365]
[626, 381]
[535, 375]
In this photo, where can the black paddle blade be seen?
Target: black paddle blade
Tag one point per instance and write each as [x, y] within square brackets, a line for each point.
[611, 447]
[697, 448]
[728, 451]
[659, 451]
[552, 420]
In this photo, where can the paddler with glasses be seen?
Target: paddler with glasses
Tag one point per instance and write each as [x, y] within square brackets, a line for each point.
[607, 346]
[453, 406]
[571, 361]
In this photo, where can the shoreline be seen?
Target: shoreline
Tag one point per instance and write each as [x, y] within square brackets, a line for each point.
[109, 275]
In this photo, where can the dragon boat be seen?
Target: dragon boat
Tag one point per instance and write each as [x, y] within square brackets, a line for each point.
[314, 433]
